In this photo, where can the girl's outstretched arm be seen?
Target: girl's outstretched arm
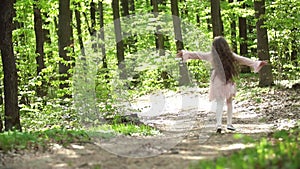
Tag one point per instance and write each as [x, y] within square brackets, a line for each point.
[186, 55]
[256, 65]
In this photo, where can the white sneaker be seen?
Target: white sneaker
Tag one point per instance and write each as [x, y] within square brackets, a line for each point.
[230, 127]
[219, 129]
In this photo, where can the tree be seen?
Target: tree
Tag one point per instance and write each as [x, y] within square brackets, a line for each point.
[102, 36]
[265, 75]
[78, 28]
[119, 40]
[233, 31]
[216, 18]
[184, 76]
[243, 39]
[159, 37]
[64, 40]
[93, 18]
[39, 38]
[243, 34]
[12, 116]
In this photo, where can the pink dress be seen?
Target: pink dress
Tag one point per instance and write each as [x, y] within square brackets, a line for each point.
[218, 88]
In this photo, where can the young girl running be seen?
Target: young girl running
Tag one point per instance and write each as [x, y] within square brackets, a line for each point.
[224, 70]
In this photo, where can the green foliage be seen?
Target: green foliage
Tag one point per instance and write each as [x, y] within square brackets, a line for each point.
[146, 70]
[40, 140]
[111, 130]
[281, 150]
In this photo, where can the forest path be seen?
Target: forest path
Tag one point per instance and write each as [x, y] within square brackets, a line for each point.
[188, 134]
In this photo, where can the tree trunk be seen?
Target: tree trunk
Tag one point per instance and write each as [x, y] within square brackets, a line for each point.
[243, 40]
[131, 6]
[233, 31]
[78, 28]
[119, 40]
[265, 74]
[64, 40]
[159, 37]
[12, 116]
[39, 38]
[93, 18]
[183, 70]
[295, 47]
[125, 7]
[102, 37]
[216, 18]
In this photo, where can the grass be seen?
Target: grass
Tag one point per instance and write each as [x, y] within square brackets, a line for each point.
[281, 150]
[111, 130]
[40, 140]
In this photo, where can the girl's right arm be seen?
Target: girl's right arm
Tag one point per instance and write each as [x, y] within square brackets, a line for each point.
[186, 55]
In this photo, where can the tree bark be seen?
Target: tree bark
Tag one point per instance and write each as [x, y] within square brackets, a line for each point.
[233, 31]
[40, 39]
[64, 40]
[78, 28]
[265, 74]
[93, 18]
[216, 18]
[118, 38]
[125, 7]
[243, 35]
[12, 116]
[183, 70]
[102, 35]
[131, 6]
[159, 37]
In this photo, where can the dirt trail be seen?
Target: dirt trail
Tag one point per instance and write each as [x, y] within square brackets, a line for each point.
[188, 135]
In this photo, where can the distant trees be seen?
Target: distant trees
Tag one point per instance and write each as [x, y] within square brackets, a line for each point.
[32, 59]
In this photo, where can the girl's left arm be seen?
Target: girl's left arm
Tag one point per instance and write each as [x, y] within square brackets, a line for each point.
[256, 65]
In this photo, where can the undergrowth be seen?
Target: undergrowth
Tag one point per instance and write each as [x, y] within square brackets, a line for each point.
[279, 151]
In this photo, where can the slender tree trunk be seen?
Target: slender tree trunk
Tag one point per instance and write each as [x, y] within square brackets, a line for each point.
[39, 38]
[131, 6]
[243, 35]
[159, 37]
[184, 75]
[1, 104]
[295, 47]
[243, 39]
[64, 40]
[93, 18]
[102, 35]
[233, 31]
[119, 40]
[133, 39]
[265, 75]
[216, 18]
[125, 7]
[12, 116]
[251, 37]
[78, 28]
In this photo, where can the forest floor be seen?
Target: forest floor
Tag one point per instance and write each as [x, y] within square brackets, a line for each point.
[188, 134]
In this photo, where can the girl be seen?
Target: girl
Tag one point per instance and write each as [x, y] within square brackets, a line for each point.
[224, 70]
